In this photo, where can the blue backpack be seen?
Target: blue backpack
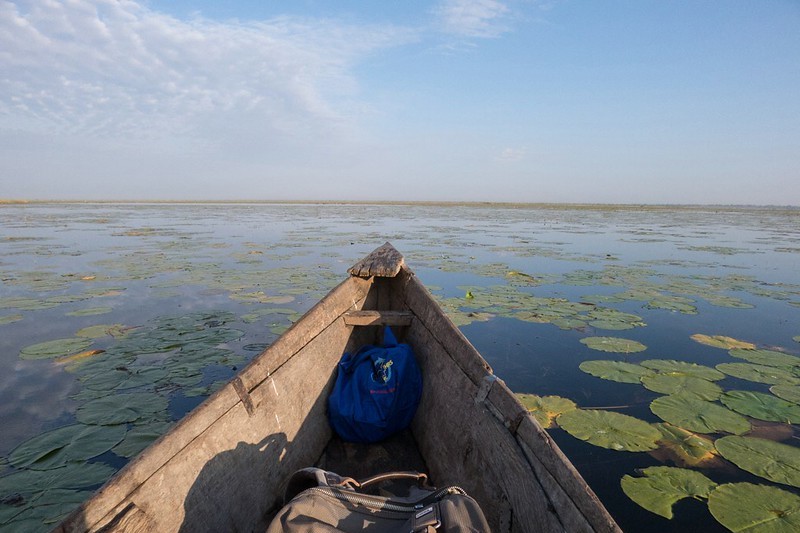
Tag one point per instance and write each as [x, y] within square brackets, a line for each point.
[376, 393]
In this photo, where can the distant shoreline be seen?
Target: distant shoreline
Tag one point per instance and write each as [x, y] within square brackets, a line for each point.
[505, 205]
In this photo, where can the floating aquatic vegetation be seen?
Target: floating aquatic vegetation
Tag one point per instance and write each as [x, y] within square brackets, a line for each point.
[767, 509]
[546, 408]
[91, 311]
[610, 430]
[790, 393]
[684, 447]
[762, 406]
[27, 304]
[682, 385]
[771, 460]
[613, 344]
[78, 356]
[683, 368]
[104, 330]
[619, 371]
[673, 303]
[58, 447]
[9, 319]
[140, 437]
[728, 301]
[55, 348]
[759, 373]
[721, 341]
[767, 357]
[122, 408]
[662, 486]
[694, 414]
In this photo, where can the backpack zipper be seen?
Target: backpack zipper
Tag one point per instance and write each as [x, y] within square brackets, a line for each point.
[379, 503]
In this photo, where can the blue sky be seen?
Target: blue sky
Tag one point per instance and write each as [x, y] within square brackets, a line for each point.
[480, 100]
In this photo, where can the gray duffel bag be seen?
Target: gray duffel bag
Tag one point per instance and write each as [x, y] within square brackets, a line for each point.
[319, 501]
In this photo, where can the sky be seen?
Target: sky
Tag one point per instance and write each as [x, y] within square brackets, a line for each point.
[581, 101]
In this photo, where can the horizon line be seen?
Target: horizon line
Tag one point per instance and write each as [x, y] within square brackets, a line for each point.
[442, 203]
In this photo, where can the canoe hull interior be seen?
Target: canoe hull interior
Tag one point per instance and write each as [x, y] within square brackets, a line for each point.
[224, 466]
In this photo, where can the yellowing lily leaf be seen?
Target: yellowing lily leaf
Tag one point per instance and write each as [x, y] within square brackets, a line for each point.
[721, 341]
[684, 447]
[546, 408]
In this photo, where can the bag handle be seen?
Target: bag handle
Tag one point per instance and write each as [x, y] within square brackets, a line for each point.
[419, 477]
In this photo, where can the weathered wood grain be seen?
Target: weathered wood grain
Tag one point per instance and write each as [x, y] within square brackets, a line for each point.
[384, 261]
[378, 318]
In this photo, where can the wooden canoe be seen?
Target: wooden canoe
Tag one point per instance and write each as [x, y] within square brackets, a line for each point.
[224, 466]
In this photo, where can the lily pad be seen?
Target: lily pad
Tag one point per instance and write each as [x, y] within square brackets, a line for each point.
[70, 476]
[613, 344]
[662, 486]
[698, 415]
[721, 341]
[759, 373]
[546, 408]
[789, 393]
[768, 509]
[104, 330]
[767, 358]
[681, 384]
[55, 348]
[762, 406]
[139, 438]
[765, 458]
[610, 430]
[619, 371]
[668, 366]
[684, 447]
[120, 408]
[58, 447]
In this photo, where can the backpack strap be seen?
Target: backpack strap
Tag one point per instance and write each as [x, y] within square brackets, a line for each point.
[307, 478]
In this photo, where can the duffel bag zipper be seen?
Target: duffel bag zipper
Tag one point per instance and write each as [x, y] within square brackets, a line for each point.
[379, 503]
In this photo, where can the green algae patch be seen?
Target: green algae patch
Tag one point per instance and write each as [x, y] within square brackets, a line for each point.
[58, 447]
[721, 341]
[698, 415]
[55, 348]
[618, 371]
[767, 509]
[613, 344]
[610, 430]
[762, 406]
[662, 486]
[546, 408]
[765, 458]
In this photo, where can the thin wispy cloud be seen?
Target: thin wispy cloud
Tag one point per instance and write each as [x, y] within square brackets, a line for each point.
[473, 18]
[511, 154]
[118, 68]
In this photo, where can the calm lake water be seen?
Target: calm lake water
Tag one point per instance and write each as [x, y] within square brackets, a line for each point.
[164, 303]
